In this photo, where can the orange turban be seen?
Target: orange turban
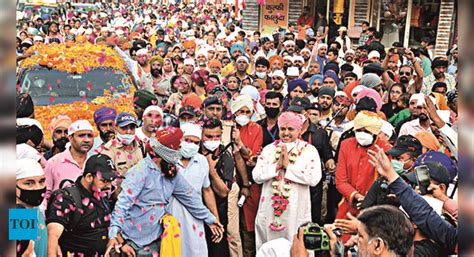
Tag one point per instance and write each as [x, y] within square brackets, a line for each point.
[192, 100]
[428, 140]
[189, 44]
[275, 58]
[215, 63]
[395, 58]
[263, 84]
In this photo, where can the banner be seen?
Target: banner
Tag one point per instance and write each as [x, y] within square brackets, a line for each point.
[273, 14]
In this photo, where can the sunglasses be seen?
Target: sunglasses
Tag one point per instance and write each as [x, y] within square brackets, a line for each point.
[405, 73]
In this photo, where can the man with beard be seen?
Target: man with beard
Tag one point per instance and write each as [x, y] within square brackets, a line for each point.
[190, 48]
[349, 59]
[321, 56]
[325, 101]
[289, 46]
[405, 72]
[439, 67]
[78, 223]
[104, 119]
[278, 80]
[58, 129]
[140, 68]
[453, 68]
[70, 163]
[152, 121]
[273, 106]
[189, 66]
[156, 65]
[306, 54]
[421, 124]
[202, 58]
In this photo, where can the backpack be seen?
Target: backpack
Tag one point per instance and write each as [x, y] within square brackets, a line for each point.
[74, 193]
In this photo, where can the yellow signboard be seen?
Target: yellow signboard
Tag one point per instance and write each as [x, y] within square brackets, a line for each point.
[273, 15]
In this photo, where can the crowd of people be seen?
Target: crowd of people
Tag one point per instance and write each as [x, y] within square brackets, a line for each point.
[238, 138]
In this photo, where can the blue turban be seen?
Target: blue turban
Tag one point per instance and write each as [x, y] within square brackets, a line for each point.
[297, 82]
[104, 113]
[331, 74]
[440, 157]
[235, 47]
[314, 78]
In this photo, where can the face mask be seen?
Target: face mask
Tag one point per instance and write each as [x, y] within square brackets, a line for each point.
[125, 139]
[272, 112]
[61, 143]
[260, 74]
[242, 120]
[398, 166]
[183, 123]
[188, 150]
[364, 138]
[211, 145]
[32, 197]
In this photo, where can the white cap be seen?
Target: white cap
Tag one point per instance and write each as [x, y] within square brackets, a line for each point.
[242, 58]
[288, 58]
[191, 129]
[153, 108]
[340, 93]
[27, 168]
[278, 73]
[373, 54]
[420, 98]
[38, 38]
[142, 51]
[189, 61]
[293, 71]
[202, 51]
[280, 247]
[29, 122]
[298, 58]
[350, 51]
[387, 128]
[79, 125]
[289, 42]
[322, 45]
[305, 50]
[357, 89]
[342, 28]
[26, 151]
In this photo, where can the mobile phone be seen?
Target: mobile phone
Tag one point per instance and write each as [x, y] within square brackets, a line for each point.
[423, 178]
[398, 50]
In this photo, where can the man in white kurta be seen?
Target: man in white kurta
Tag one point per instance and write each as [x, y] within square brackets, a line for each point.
[303, 172]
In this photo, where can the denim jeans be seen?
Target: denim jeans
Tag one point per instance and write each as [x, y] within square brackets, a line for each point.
[151, 250]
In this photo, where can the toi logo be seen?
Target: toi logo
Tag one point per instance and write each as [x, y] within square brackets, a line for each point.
[22, 224]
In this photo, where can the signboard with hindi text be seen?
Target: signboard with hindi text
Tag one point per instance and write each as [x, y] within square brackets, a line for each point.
[273, 15]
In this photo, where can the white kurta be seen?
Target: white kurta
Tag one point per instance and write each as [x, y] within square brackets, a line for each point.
[305, 172]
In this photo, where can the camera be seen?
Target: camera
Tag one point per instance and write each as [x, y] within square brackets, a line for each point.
[315, 238]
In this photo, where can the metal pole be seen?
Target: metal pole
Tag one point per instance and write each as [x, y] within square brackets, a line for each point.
[406, 37]
[379, 9]
[328, 18]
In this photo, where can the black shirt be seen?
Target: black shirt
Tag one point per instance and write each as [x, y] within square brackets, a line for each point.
[319, 138]
[378, 195]
[225, 169]
[389, 111]
[426, 248]
[269, 136]
[90, 235]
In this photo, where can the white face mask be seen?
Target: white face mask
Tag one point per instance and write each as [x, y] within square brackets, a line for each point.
[242, 120]
[125, 139]
[364, 138]
[261, 74]
[188, 150]
[211, 145]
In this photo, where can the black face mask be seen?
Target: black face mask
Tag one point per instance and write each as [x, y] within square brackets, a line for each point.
[61, 143]
[315, 91]
[32, 197]
[272, 112]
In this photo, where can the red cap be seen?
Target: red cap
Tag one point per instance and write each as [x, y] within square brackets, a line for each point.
[170, 137]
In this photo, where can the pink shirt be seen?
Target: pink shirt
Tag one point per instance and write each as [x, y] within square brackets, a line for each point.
[59, 167]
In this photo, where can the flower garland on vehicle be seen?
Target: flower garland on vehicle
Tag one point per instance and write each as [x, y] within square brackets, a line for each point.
[281, 187]
[73, 58]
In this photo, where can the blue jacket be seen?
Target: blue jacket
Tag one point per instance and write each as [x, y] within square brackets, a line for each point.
[425, 217]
